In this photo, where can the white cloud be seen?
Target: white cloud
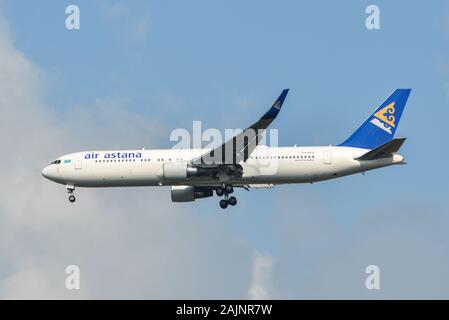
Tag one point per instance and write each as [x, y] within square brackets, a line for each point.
[29, 281]
[261, 277]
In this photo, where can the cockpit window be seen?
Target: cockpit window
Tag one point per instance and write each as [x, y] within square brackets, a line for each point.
[56, 162]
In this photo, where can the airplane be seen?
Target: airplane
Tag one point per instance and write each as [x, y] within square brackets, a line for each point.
[241, 162]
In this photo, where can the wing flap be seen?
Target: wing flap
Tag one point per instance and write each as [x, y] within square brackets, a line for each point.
[260, 185]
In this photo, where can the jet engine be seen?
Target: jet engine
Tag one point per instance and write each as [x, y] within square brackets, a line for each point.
[189, 193]
[177, 171]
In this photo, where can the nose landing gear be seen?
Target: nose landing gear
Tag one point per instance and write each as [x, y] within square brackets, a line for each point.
[226, 190]
[70, 190]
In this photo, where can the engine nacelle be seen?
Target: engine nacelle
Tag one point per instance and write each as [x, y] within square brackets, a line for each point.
[189, 193]
[177, 171]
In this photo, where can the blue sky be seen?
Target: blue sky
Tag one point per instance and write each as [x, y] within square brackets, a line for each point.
[223, 62]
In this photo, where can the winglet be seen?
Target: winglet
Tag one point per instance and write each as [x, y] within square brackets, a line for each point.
[276, 107]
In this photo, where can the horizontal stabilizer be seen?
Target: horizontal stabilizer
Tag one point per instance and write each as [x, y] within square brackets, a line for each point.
[384, 151]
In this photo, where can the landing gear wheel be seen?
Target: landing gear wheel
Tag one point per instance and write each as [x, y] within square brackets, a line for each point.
[223, 204]
[219, 192]
[229, 189]
[232, 201]
[72, 198]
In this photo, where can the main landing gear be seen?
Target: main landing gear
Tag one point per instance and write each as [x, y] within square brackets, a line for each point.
[70, 190]
[226, 190]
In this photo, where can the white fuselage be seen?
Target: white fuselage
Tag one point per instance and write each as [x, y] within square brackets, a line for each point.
[266, 165]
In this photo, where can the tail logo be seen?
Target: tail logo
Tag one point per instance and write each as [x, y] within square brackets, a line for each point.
[277, 105]
[384, 118]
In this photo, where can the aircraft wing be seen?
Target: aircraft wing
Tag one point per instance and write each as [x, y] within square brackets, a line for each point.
[238, 149]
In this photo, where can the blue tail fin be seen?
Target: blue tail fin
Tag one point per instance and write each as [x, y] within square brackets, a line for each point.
[380, 127]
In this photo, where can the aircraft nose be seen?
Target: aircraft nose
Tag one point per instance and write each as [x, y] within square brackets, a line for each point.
[45, 172]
